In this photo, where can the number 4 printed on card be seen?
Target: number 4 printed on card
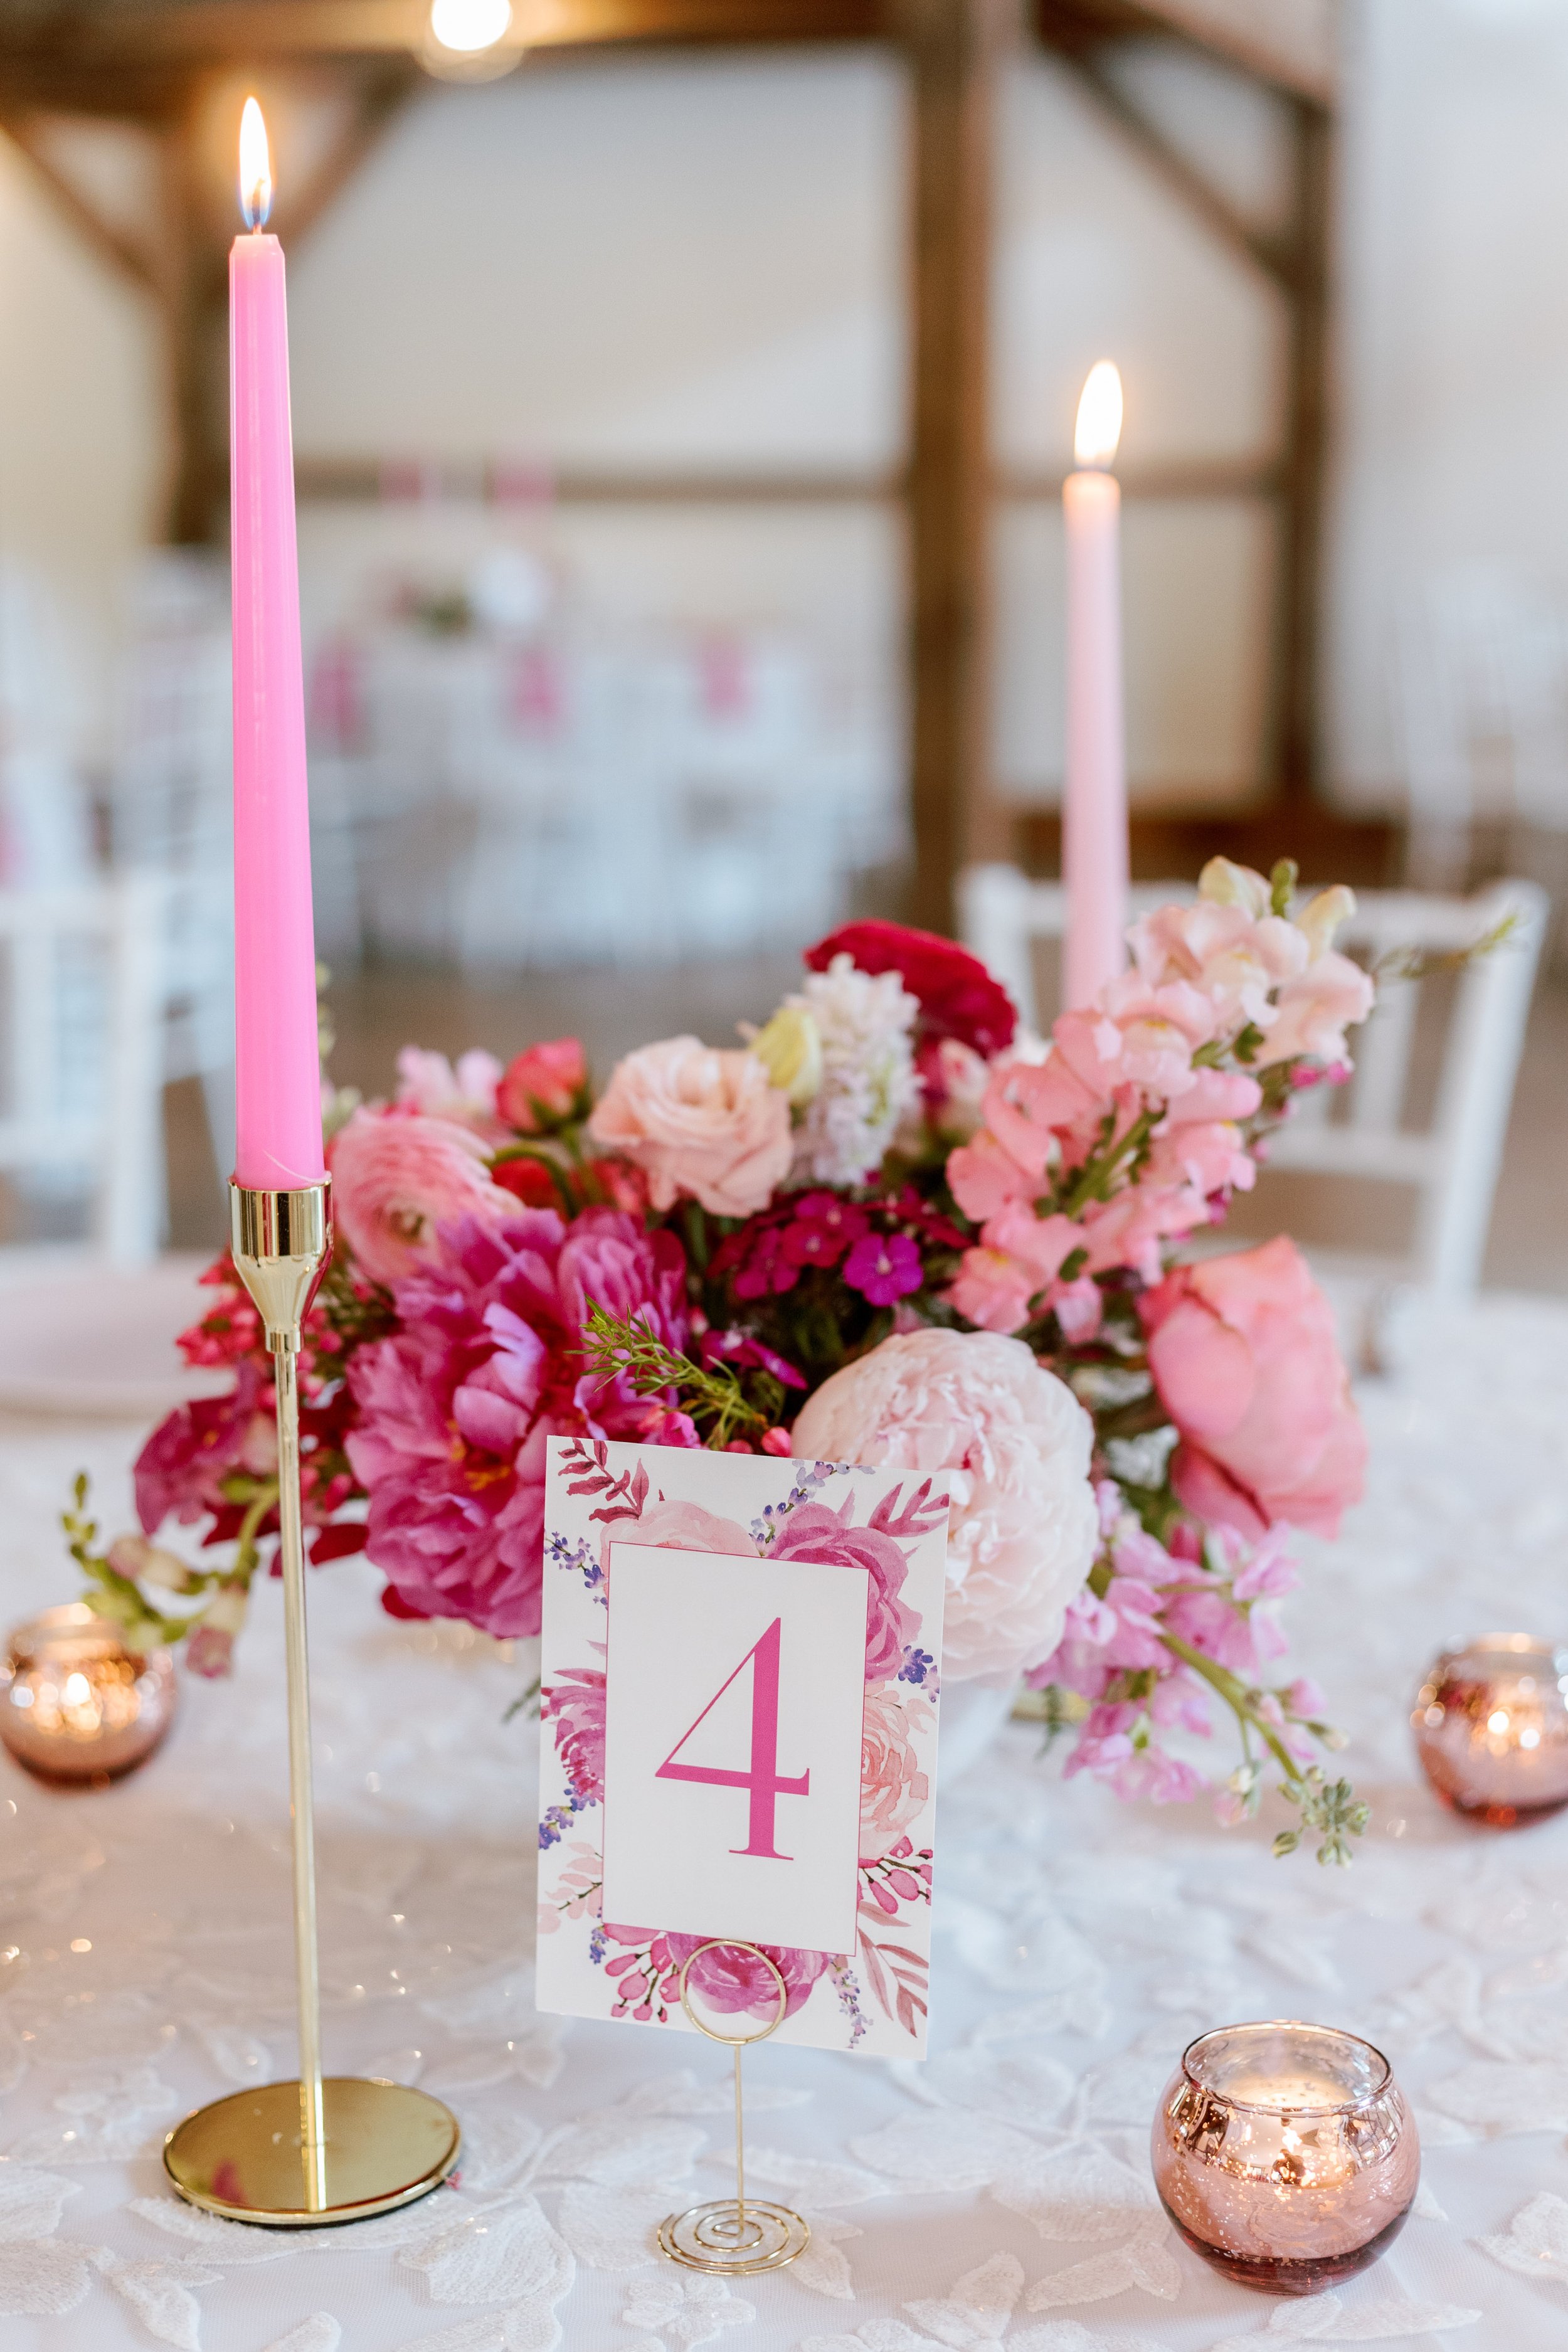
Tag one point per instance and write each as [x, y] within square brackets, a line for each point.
[763, 1780]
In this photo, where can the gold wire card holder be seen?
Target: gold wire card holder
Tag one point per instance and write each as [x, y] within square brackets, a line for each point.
[298, 2154]
[733, 2237]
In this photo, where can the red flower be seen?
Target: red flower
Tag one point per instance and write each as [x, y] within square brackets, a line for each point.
[958, 997]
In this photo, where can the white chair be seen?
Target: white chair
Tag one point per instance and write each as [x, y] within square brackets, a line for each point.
[171, 818]
[81, 1096]
[1359, 1131]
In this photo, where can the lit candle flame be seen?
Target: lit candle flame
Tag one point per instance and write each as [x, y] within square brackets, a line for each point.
[1098, 426]
[254, 167]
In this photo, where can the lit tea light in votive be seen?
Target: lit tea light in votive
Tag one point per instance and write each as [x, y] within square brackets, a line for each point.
[1492, 1728]
[1285, 2154]
[76, 1705]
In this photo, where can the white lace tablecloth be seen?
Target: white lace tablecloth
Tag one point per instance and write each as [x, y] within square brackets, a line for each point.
[995, 2196]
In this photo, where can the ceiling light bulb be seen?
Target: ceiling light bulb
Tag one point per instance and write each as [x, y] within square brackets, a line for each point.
[469, 25]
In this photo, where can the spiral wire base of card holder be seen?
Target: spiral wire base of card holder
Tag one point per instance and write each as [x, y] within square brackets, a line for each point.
[734, 2236]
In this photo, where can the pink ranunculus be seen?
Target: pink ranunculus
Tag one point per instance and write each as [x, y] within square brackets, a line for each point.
[814, 1531]
[429, 1083]
[699, 1122]
[1243, 1354]
[574, 1703]
[544, 1085]
[456, 1408]
[895, 1784]
[397, 1176]
[1012, 1445]
[1314, 1011]
[732, 1981]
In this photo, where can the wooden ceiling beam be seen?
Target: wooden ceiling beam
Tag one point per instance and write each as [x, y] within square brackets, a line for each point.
[211, 33]
[1288, 46]
[110, 243]
[1275, 257]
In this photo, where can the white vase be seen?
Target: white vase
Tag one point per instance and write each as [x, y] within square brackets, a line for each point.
[972, 1715]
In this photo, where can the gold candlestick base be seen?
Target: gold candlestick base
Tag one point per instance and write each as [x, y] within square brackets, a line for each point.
[244, 2157]
[296, 2155]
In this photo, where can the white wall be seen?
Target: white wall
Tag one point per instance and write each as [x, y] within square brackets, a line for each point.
[81, 444]
[667, 262]
[1453, 422]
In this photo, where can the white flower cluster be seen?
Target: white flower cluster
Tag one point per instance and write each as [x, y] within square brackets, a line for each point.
[864, 1023]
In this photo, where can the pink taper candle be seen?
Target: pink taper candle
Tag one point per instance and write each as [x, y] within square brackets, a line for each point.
[1094, 811]
[277, 1088]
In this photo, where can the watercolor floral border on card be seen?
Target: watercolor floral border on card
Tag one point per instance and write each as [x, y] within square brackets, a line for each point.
[892, 1523]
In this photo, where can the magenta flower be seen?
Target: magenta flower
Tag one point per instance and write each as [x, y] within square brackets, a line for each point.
[817, 1532]
[456, 1407]
[883, 1267]
[741, 1347]
[824, 1228]
[731, 1978]
[768, 1267]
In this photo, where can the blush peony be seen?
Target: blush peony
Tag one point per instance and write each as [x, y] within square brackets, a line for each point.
[696, 1121]
[1012, 1444]
[1244, 1356]
[895, 1779]
[396, 1176]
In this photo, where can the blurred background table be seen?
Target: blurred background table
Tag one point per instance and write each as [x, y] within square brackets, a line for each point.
[145, 1966]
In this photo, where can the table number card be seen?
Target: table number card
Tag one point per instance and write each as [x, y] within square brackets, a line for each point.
[740, 1667]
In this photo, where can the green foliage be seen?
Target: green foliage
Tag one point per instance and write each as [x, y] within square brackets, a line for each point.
[1331, 1809]
[714, 1396]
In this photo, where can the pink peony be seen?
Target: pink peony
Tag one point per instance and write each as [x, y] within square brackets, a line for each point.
[894, 1784]
[731, 1979]
[1243, 1354]
[544, 1087]
[699, 1122]
[574, 1703]
[679, 1527]
[814, 1531]
[1012, 1445]
[396, 1176]
[456, 1408]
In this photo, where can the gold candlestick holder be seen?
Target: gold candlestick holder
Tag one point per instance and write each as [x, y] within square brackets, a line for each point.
[321, 2149]
[734, 2237]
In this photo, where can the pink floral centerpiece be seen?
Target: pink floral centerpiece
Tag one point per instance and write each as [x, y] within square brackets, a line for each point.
[889, 1227]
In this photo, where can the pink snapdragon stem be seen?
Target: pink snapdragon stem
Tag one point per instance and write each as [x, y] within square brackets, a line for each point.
[1094, 811]
[277, 1089]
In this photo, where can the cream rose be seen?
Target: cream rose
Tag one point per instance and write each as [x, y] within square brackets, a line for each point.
[698, 1121]
[1013, 1444]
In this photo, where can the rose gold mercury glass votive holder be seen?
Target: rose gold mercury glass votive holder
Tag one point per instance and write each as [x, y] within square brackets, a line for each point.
[1492, 1728]
[76, 1707]
[1285, 2154]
